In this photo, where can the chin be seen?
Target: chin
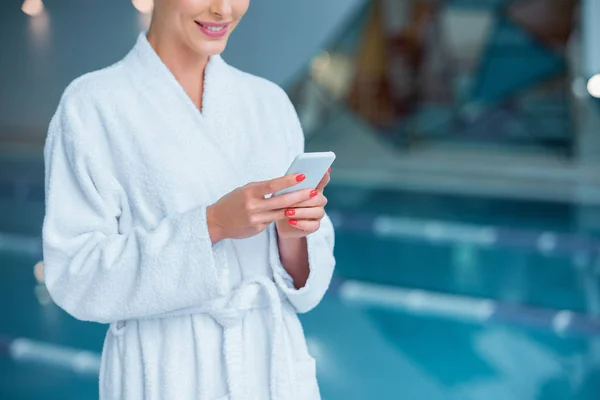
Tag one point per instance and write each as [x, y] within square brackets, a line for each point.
[208, 47]
[212, 49]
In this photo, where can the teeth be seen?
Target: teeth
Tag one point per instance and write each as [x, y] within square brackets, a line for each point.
[215, 28]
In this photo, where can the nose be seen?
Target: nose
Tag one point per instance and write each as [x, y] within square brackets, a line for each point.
[221, 8]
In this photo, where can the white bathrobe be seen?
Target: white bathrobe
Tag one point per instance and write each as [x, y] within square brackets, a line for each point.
[131, 165]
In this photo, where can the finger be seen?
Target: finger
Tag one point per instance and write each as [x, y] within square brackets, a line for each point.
[305, 213]
[277, 184]
[326, 179]
[318, 201]
[267, 217]
[305, 225]
[288, 200]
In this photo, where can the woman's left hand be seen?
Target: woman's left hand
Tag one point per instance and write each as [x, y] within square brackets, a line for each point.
[305, 217]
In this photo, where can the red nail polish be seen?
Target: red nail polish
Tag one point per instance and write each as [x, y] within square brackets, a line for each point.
[329, 170]
[293, 222]
[313, 193]
[300, 178]
[290, 213]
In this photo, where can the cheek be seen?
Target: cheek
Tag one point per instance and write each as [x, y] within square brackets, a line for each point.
[193, 8]
[239, 8]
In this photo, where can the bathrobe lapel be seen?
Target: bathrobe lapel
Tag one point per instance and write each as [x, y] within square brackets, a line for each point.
[207, 131]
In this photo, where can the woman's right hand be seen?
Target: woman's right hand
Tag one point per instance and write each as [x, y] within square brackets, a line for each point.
[245, 211]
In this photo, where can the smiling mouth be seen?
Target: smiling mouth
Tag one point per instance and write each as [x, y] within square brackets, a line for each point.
[212, 29]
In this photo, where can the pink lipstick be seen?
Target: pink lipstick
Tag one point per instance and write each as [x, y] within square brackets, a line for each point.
[212, 29]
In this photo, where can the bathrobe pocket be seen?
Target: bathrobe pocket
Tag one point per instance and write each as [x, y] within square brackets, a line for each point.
[307, 387]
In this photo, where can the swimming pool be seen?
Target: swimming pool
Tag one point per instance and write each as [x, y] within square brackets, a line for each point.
[435, 297]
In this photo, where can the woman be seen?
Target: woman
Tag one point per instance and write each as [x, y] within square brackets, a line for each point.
[158, 219]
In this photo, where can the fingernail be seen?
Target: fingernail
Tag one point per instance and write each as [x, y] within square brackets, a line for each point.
[329, 170]
[290, 213]
[293, 222]
[300, 178]
[313, 193]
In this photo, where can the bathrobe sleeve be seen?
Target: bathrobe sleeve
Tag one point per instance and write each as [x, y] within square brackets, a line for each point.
[96, 273]
[320, 243]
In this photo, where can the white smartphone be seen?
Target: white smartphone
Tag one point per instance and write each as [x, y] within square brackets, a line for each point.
[313, 165]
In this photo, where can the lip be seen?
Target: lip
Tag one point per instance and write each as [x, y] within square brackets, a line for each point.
[205, 25]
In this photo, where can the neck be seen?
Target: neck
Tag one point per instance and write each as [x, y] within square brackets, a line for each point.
[186, 66]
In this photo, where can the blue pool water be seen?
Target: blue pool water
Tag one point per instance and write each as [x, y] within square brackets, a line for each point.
[435, 297]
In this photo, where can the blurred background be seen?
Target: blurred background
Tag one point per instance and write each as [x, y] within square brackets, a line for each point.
[466, 193]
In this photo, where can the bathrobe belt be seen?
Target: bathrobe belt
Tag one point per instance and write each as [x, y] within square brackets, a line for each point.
[229, 312]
